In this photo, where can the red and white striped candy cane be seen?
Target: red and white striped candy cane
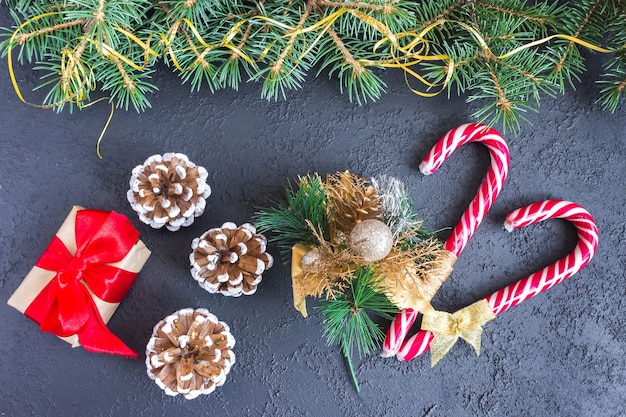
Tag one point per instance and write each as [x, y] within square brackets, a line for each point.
[473, 215]
[537, 282]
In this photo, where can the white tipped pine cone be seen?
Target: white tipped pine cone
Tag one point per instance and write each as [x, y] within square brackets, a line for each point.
[230, 259]
[168, 190]
[189, 353]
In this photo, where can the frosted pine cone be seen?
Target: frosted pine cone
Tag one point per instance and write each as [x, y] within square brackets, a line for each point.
[189, 353]
[230, 259]
[168, 191]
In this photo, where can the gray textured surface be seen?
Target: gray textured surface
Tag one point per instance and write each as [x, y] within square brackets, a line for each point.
[560, 354]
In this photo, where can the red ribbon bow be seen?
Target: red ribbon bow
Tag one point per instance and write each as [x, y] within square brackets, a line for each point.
[65, 306]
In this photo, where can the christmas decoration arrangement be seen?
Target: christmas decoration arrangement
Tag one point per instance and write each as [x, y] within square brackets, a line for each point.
[503, 54]
[357, 246]
[168, 190]
[440, 330]
[80, 279]
[230, 259]
[354, 244]
[190, 353]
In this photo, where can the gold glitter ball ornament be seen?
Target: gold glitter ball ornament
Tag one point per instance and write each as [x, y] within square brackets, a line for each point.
[311, 258]
[190, 353]
[371, 239]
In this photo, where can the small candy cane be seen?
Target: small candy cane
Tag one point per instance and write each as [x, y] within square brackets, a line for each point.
[473, 215]
[537, 282]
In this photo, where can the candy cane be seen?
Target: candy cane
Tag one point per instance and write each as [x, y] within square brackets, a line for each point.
[537, 282]
[473, 215]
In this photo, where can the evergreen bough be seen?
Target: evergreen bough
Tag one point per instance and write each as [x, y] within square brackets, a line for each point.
[79, 46]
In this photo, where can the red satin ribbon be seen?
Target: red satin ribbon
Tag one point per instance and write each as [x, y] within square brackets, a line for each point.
[65, 307]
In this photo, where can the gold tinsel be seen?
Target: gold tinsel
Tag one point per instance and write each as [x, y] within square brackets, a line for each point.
[327, 269]
[413, 276]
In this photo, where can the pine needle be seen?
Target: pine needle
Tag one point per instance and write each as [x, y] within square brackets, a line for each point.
[114, 46]
[348, 319]
[290, 219]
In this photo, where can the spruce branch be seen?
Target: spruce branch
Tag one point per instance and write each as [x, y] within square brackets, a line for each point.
[217, 43]
[568, 62]
[229, 72]
[292, 219]
[385, 8]
[613, 79]
[285, 72]
[613, 84]
[433, 11]
[40, 37]
[347, 318]
[360, 82]
[24, 37]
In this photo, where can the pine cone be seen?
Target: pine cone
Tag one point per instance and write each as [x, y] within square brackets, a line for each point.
[190, 353]
[351, 201]
[230, 259]
[168, 191]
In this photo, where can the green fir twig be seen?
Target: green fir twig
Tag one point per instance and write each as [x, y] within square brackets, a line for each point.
[287, 219]
[347, 318]
[220, 44]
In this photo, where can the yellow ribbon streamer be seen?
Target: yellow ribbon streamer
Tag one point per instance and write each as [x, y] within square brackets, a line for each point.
[299, 297]
[303, 284]
[106, 125]
[407, 287]
[10, 58]
[466, 323]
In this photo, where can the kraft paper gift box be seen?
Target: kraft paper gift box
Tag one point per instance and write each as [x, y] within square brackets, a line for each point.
[83, 275]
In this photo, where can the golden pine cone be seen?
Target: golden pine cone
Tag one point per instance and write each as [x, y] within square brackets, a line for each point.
[168, 190]
[230, 259]
[351, 200]
[190, 353]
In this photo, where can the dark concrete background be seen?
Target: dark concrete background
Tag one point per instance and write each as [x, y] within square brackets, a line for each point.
[561, 353]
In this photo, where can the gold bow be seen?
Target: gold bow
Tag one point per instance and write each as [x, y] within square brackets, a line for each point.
[447, 328]
[299, 290]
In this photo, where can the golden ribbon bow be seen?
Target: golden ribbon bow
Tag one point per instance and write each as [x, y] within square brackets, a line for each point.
[447, 328]
[299, 294]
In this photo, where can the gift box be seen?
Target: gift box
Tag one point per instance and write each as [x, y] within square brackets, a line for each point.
[80, 279]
